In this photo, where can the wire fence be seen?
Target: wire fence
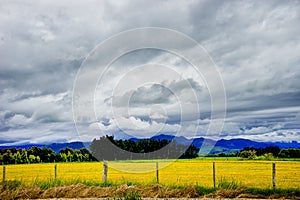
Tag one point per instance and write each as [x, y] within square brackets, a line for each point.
[259, 174]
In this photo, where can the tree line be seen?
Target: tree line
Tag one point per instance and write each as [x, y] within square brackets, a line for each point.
[265, 153]
[107, 148]
[45, 155]
[269, 152]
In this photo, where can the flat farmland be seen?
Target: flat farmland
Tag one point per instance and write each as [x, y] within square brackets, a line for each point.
[256, 174]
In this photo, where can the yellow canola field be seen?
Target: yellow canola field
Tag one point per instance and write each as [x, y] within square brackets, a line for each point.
[249, 173]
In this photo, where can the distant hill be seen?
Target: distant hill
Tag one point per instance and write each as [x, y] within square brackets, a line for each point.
[54, 146]
[221, 145]
[238, 144]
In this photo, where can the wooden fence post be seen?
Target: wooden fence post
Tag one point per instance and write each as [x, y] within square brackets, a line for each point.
[157, 178]
[3, 175]
[274, 175]
[55, 172]
[105, 170]
[214, 174]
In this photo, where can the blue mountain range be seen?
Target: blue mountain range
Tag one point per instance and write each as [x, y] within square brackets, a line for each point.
[219, 146]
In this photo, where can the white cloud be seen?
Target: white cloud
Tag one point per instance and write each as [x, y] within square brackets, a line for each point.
[258, 130]
[18, 119]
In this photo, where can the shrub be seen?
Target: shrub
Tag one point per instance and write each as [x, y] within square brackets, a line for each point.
[229, 184]
[250, 154]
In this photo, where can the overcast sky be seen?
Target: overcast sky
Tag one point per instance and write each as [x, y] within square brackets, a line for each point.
[254, 44]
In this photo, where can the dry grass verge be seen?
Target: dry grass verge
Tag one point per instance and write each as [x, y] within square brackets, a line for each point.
[9, 191]
[79, 191]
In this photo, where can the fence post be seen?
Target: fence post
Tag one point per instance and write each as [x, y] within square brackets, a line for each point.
[214, 174]
[157, 178]
[55, 172]
[105, 169]
[274, 175]
[3, 175]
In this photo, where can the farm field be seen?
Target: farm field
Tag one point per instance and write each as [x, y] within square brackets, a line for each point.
[256, 174]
